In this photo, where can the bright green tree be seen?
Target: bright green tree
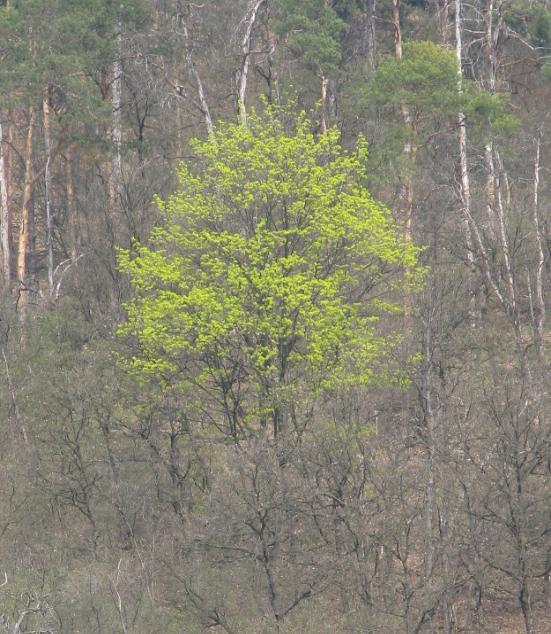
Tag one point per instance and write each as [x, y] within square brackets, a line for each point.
[263, 287]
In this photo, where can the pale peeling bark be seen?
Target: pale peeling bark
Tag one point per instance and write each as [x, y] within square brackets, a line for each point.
[5, 215]
[246, 60]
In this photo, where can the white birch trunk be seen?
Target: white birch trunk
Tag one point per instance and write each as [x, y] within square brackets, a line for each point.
[463, 161]
[245, 64]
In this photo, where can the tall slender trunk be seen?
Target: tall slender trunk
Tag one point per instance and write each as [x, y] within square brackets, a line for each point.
[369, 37]
[539, 309]
[490, 188]
[465, 186]
[5, 215]
[116, 184]
[490, 42]
[443, 19]
[408, 148]
[324, 126]
[48, 190]
[489, 48]
[523, 596]
[26, 226]
[397, 29]
[72, 219]
[430, 440]
[506, 250]
[246, 61]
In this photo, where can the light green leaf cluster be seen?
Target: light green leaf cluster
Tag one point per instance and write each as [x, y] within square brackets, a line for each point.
[265, 265]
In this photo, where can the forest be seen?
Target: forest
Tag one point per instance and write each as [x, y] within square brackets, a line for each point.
[273, 321]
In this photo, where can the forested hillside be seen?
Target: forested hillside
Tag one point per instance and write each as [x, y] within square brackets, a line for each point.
[273, 333]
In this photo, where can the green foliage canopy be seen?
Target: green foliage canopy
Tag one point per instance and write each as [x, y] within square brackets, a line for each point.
[313, 31]
[425, 83]
[424, 80]
[67, 45]
[270, 271]
[530, 20]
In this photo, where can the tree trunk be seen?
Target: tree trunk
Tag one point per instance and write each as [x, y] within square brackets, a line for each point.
[324, 94]
[397, 29]
[246, 60]
[465, 187]
[48, 191]
[5, 215]
[116, 184]
[443, 20]
[407, 149]
[526, 608]
[490, 47]
[539, 308]
[26, 226]
[369, 38]
[72, 220]
[430, 440]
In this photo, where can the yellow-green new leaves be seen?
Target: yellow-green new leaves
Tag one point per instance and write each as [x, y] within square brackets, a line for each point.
[271, 269]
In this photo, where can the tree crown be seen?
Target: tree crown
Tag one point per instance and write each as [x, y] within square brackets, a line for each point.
[273, 259]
